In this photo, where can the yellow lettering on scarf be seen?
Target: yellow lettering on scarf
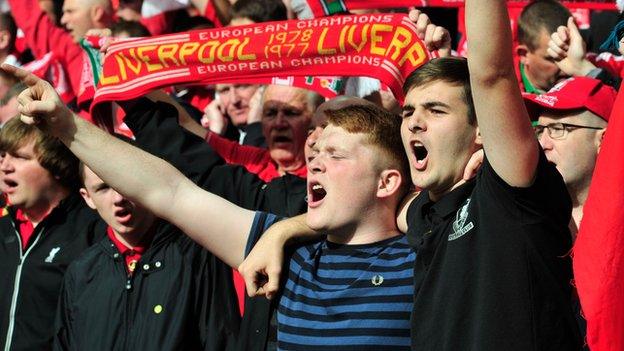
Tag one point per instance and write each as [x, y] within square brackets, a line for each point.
[211, 55]
[187, 49]
[151, 67]
[321, 50]
[242, 56]
[167, 52]
[415, 55]
[375, 38]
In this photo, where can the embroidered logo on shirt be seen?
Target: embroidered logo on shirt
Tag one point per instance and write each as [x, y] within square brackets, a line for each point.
[377, 280]
[459, 225]
[52, 253]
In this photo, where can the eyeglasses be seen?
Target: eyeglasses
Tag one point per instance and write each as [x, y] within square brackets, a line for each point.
[559, 130]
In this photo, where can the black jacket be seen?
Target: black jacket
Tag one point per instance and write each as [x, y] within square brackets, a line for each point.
[179, 298]
[157, 131]
[30, 290]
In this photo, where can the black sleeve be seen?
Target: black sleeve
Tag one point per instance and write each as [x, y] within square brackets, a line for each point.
[254, 135]
[63, 327]
[548, 193]
[156, 129]
[283, 196]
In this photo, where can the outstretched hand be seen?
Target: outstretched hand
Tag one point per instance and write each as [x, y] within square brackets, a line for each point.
[39, 103]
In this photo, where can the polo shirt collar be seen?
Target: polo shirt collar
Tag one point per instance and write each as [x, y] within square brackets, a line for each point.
[451, 202]
[122, 248]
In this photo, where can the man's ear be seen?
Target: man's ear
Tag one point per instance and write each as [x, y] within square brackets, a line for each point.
[5, 38]
[85, 195]
[522, 51]
[478, 139]
[390, 182]
[97, 14]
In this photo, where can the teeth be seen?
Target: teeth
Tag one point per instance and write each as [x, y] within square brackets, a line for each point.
[317, 187]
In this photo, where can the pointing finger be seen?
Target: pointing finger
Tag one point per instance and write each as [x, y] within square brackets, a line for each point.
[21, 74]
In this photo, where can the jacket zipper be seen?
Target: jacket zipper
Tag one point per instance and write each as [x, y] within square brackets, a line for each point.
[16, 284]
[128, 287]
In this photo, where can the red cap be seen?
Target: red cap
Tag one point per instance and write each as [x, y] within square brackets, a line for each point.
[573, 94]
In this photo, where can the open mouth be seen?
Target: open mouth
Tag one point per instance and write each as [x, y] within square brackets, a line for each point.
[8, 185]
[421, 153]
[281, 139]
[317, 193]
[123, 215]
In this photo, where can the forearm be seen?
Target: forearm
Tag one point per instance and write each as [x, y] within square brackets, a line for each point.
[501, 115]
[218, 225]
[490, 42]
[293, 230]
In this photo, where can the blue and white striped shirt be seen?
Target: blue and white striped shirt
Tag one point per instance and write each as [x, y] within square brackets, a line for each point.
[345, 297]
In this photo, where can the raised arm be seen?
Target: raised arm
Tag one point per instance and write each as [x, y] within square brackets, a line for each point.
[508, 139]
[213, 222]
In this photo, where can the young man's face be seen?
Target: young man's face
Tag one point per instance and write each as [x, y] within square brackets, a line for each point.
[285, 122]
[575, 154]
[124, 216]
[541, 70]
[436, 135]
[342, 180]
[25, 182]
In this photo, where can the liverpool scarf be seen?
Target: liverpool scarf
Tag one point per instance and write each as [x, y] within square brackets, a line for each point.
[382, 46]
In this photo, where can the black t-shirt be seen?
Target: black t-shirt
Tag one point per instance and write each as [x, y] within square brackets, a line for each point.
[492, 270]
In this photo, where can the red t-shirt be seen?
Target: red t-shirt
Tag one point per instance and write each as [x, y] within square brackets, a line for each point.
[132, 255]
[25, 227]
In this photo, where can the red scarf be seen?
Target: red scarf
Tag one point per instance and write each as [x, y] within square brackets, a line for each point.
[382, 46]
[599, 248]
[321, 8]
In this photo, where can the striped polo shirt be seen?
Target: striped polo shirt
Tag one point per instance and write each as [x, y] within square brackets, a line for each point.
[345, 297]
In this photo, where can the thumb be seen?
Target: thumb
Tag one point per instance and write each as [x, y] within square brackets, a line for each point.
[272, 285]
[574, 31]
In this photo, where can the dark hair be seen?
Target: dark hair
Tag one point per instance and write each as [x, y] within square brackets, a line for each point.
[51, 153]
[8, 23]
[260, 10]
[540, 15]
[453, 70]
[382, 128]
[133, 28]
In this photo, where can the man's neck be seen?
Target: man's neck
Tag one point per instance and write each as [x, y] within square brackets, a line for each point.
[285, 166]
[134, 238]
[526, 82]
[375, 224]
[578, 196]
[435, 196]
[38, 212]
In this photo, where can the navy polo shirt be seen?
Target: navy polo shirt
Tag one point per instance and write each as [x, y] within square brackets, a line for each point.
[493, 269]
